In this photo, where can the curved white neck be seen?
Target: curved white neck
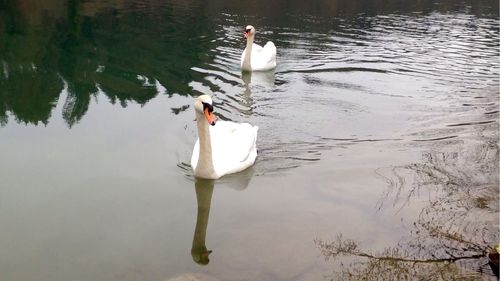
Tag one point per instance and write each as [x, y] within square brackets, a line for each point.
[205, 166]
[248, 52]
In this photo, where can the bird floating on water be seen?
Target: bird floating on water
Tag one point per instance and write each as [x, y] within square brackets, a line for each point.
[255, 57]
[223, 147]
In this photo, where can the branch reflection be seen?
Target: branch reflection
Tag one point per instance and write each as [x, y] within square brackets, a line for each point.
[453, 234]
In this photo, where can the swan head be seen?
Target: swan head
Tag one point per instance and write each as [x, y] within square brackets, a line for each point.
[203, 107]
[249, 31]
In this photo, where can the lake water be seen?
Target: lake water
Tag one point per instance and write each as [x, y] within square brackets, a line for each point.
[379, 127]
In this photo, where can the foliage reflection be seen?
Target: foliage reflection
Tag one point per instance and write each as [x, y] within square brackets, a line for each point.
[131, 50]
[127, 52]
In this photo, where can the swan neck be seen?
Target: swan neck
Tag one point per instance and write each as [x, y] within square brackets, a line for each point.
[248, 53]
[250, 41]
[205, 166]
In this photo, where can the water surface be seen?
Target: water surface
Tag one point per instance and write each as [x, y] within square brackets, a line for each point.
[380, 123]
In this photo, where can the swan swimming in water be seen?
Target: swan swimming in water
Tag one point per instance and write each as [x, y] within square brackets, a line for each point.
[255, 57]
[222, 148]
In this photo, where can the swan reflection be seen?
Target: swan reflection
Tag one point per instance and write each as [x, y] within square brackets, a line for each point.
[204, 190]
[262, 79]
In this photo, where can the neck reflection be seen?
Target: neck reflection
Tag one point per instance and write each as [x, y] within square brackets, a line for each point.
[204, 189]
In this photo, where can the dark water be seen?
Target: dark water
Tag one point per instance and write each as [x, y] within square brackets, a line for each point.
[379, 127]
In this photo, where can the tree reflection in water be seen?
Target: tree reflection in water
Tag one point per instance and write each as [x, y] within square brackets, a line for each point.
[453, 234]
[128, 52]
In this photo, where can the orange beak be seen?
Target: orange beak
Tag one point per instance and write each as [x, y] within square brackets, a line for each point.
[246, 34]
[210, 117]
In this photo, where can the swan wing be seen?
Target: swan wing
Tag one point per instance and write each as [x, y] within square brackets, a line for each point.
[233, 146]
[270, 50]
[256, 48]
[263, 58]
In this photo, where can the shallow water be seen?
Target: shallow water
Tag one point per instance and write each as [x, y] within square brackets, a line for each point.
[380, 123]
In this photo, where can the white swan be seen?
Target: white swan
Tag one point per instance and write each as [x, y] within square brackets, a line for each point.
[223, 148]
[256, 58]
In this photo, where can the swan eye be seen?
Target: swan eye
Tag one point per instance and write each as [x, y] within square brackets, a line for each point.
[247, 30]
[207, 106]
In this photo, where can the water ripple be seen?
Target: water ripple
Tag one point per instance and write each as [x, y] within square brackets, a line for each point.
[381, 79]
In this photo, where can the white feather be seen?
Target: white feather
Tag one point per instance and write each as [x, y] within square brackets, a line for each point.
[225, 148]
[233, 147]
